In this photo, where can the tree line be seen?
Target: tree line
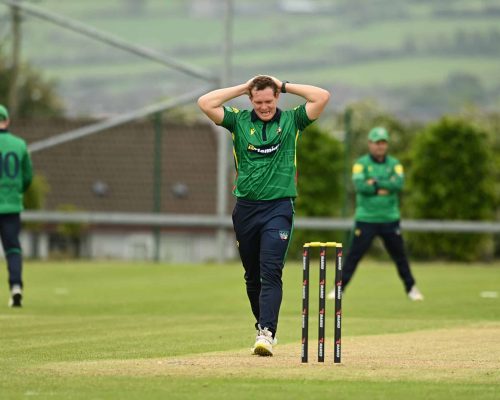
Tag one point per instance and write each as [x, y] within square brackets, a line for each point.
[452, 167]
[451, 171]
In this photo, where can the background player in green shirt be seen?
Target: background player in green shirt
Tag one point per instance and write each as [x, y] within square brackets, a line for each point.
[264, 149]
[15, 178]
[378, 179]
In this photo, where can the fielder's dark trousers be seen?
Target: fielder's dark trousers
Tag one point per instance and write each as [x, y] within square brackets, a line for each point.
[364, 233]
[10, 226]
[263, 232]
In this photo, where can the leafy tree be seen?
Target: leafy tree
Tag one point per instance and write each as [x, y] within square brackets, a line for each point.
[70, 230]
[368, 114]
[37, 96]
[490, 123]
[319, 160]
[451, 178]
[34, 198]
[67, 240]
[365, 116]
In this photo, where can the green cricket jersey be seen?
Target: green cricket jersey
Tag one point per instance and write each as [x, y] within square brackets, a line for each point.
[15, 172]
[265, 152]
[371, 207]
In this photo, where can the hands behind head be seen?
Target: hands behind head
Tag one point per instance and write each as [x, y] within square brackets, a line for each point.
[277, 81]
[249, 82]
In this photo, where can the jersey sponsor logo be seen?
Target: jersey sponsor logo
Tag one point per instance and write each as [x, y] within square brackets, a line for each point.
[284, 235]
[398, 169]
[264, 149]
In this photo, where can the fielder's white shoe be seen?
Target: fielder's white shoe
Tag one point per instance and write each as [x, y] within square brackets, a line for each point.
[264, 343]
[414, 294]
[16, 296]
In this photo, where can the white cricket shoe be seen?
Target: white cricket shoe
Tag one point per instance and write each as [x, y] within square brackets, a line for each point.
[264, 343]
[414, 294]
[16, 296]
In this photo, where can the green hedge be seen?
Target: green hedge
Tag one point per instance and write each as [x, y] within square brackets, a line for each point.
[320, 163]
[452, 177]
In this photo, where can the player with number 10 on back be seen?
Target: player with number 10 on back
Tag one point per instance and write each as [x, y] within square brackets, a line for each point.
[15, 178]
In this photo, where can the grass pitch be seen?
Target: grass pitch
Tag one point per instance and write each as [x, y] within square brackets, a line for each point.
[147, 331]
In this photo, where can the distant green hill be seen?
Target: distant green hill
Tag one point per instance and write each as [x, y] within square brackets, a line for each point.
[402, 53]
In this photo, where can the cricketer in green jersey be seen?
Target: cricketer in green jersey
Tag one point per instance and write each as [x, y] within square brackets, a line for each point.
[15, 178]
[378, 179]
[264, 148]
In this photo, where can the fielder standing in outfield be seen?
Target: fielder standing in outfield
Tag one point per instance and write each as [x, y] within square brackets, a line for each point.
[264, 149]
[15, 178]
[378, 178]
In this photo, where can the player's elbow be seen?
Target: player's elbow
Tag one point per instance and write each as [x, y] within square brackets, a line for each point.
[203, 103]
[323, 96]
[318, 104]
[321, 99]
[211, 109]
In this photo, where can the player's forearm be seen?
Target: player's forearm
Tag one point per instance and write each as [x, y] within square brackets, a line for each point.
[361, 186]
[394, 184]
[316, 97]
[217, 98]
[312, 94]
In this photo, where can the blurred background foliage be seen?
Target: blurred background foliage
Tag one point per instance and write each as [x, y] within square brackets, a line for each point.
[418, 59]
[452, 177]
[36, 96]
[452, 172]
[435, 86]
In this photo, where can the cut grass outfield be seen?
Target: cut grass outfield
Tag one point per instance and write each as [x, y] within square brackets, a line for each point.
[144, 331]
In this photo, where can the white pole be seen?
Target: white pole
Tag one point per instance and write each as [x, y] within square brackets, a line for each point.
[223, 136]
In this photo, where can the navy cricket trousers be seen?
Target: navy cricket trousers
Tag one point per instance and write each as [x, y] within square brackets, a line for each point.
[10, 226]
[390, 233]
[263, 232]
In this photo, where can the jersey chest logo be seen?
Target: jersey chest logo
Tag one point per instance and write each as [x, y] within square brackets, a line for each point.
[266, 150]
